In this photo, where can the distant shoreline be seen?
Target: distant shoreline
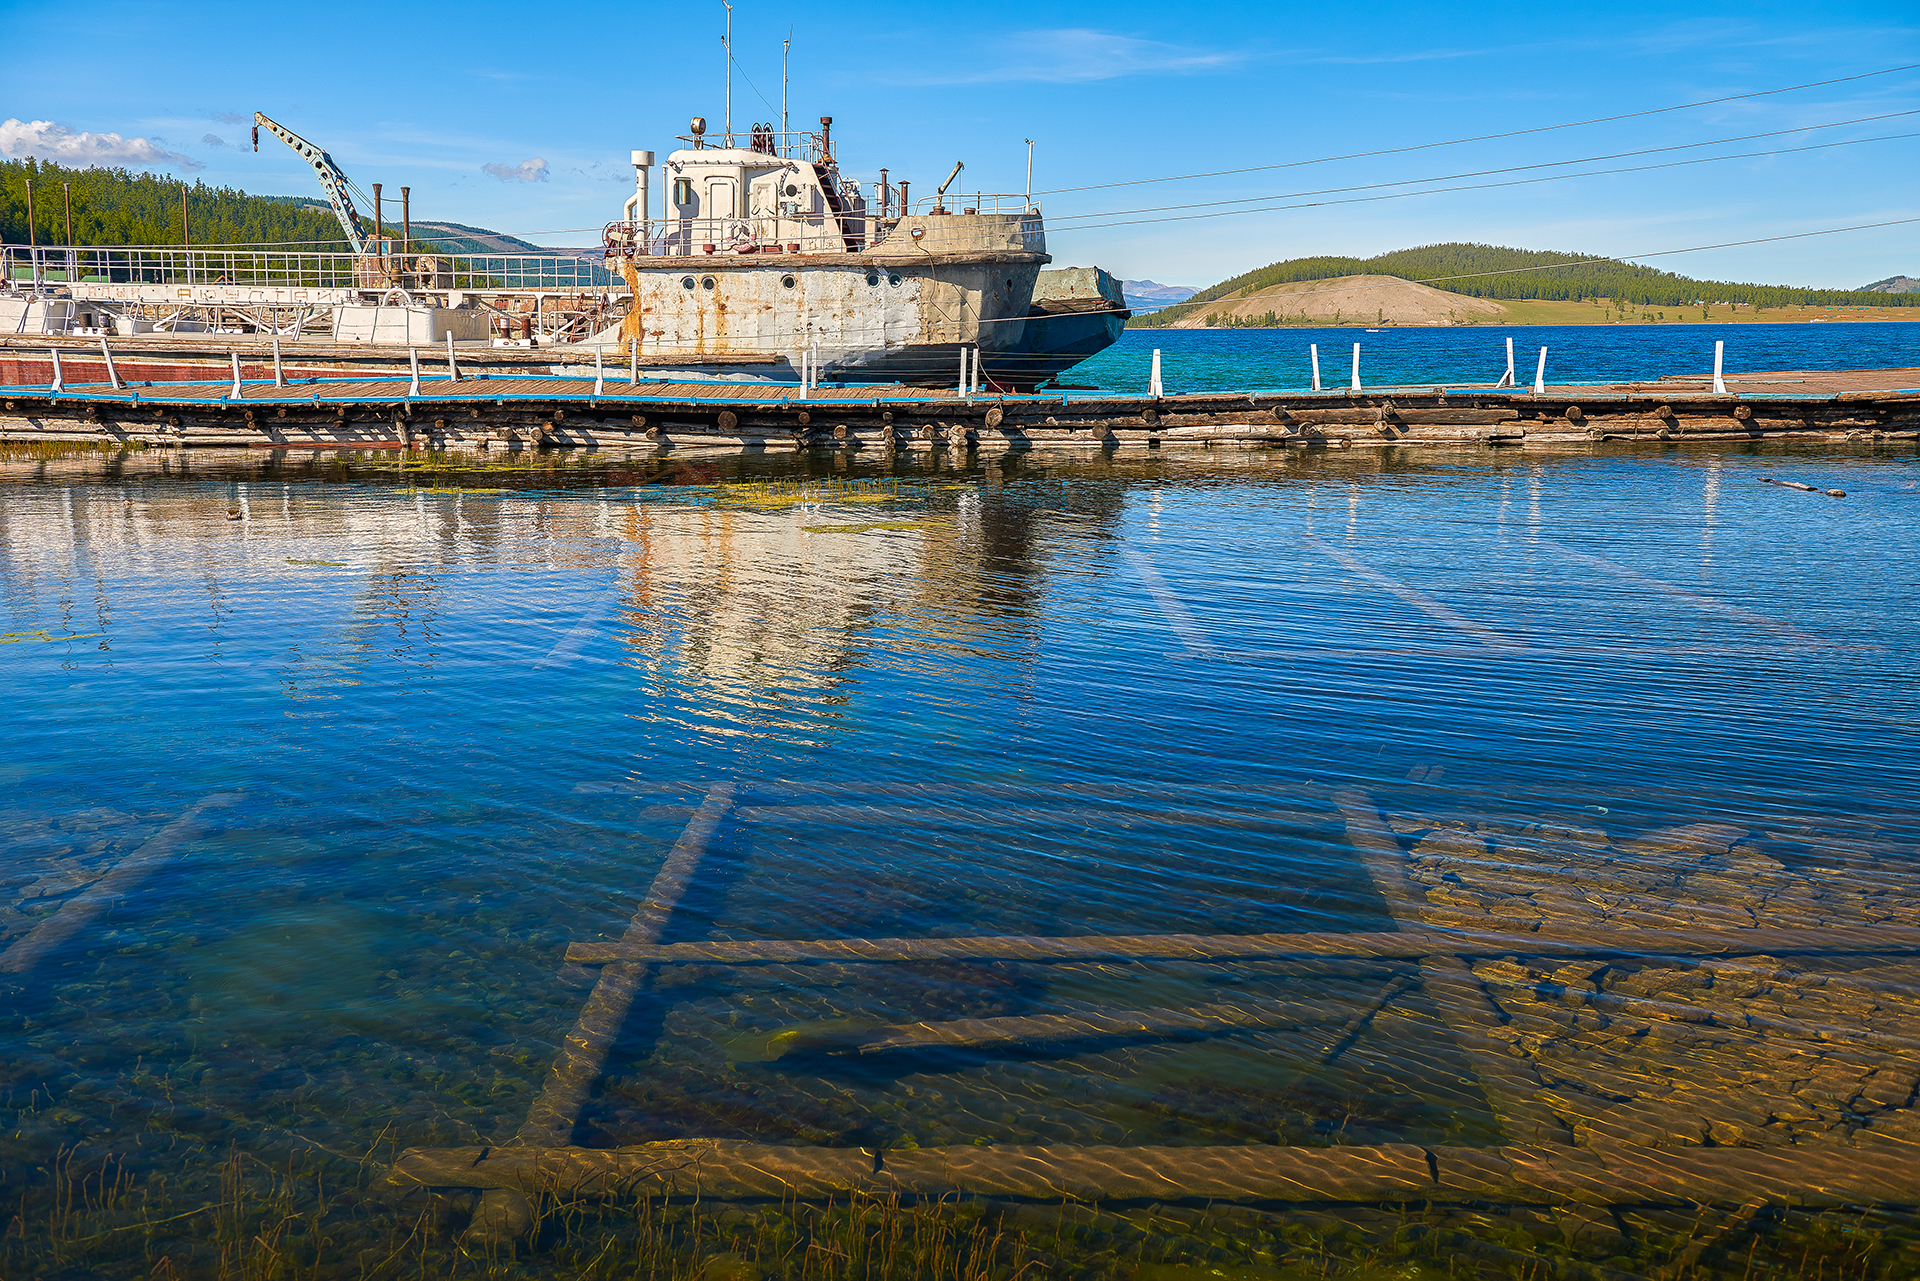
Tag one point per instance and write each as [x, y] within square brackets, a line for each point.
[1557, 324]
[1542, 314]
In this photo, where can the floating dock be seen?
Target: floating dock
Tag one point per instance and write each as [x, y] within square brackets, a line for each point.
[520, 410]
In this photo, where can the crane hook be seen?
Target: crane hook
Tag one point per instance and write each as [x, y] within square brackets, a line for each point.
[256, 138]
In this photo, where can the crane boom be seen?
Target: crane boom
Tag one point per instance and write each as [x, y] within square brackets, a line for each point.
[332, 180]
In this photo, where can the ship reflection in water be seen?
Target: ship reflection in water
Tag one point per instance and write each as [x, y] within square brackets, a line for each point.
[1540, 865]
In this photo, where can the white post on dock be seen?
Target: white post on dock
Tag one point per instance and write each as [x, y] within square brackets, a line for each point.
[1356, 367]
[813, 368]
[633, 369]
[1507, 379]
[1313, 349]
[113, 375]
[1719, 364]
[236, 373]
[963, 370]
[1540, 374]
[453, 366]
[1155, 388]
[599, 370]
[279, 373]
[59, 379]
[413, 353]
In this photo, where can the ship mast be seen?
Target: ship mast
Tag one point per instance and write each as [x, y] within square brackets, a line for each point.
[727, 44]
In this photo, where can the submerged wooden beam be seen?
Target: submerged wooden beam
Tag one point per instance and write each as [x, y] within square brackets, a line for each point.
[119, 881]
[503, 1213]
[1398, 1172]
[1082, 1025]
[1396, 945]
[1511, 1084]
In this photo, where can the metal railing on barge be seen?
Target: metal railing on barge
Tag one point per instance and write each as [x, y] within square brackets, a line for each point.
[114, 271]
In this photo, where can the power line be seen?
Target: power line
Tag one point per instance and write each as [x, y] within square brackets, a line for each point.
[1481, 173]
[1489, 137]
[1484, 186]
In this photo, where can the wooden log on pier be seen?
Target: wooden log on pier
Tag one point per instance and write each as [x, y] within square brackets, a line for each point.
[741, 416]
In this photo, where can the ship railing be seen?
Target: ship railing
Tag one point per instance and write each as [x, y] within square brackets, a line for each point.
[791, 145]
[979, 202]
[284, 267]
[701, 237]
[706, 237]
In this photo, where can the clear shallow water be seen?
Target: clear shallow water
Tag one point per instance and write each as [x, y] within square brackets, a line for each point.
[465, 718]
[1230, 359]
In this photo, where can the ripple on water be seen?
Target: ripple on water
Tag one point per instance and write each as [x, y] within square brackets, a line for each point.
[1619, 694]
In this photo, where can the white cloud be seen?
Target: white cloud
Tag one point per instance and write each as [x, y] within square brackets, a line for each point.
[232, 118]
[46, 140]
[213, 140]
[1075, 55]
[534, 170]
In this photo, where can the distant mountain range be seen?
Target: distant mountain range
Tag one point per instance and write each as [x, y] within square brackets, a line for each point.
[1149, 295]
[1892, 285]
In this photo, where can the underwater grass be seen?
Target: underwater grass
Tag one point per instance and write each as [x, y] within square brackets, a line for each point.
[58, 449]
[238, 1215]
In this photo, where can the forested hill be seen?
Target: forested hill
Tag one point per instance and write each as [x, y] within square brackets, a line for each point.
[118, 207]
[1463, 269]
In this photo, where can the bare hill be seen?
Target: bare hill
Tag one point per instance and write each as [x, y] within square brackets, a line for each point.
[1378, 299]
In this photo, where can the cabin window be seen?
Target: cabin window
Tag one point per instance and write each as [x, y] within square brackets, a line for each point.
[686, 282]
[788, 281]
[683, 191]
[873, 278]
[706, 282]
[893, 278]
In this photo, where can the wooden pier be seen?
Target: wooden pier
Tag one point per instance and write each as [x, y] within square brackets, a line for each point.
[521, 410]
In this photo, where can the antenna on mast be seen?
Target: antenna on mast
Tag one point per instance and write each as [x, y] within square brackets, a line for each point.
[786, 53]
[726, 42]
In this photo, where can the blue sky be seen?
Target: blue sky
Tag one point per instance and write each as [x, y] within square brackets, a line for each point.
[459, 102]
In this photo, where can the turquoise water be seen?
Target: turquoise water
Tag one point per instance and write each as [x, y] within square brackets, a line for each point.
[1229, 359]
[462, 714]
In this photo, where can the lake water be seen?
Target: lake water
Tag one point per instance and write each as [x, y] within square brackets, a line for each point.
[455, 717]
[1227, 359]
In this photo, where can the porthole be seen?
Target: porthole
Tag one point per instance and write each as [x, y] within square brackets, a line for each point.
[893, 278]
[686, 282]
[792, 190]
[706, 282]
[873, 277]
[788, 282]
